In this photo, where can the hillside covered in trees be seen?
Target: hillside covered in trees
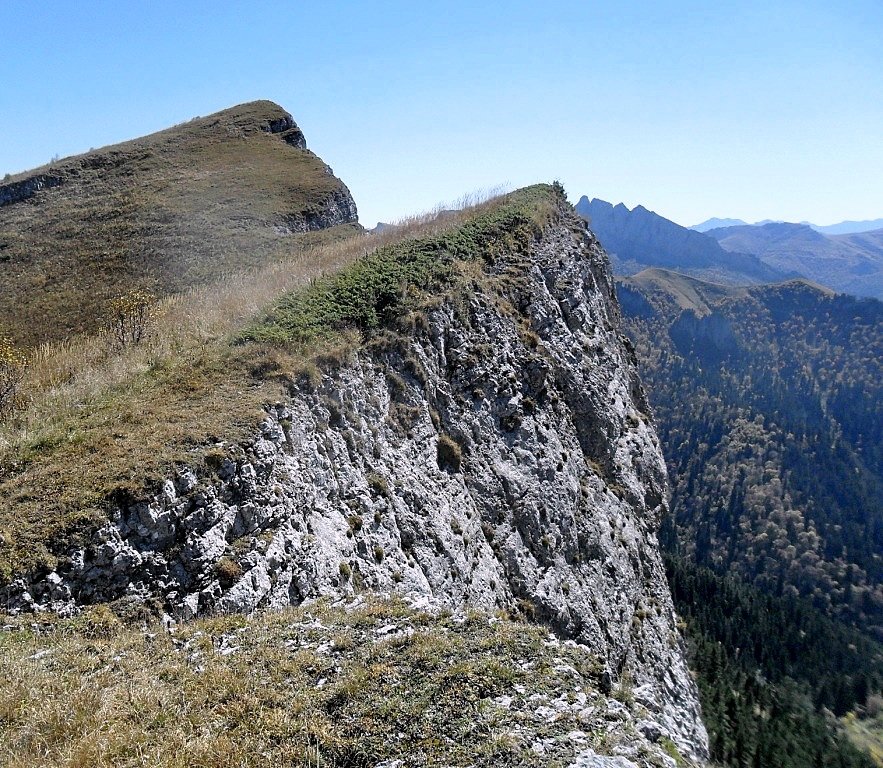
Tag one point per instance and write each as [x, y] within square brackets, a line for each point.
[768, 402]
[775, 676]
[770, 408]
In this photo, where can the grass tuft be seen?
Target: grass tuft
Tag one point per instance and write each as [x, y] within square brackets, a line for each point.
[450, 454]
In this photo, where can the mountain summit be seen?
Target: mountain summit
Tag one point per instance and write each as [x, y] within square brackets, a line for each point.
[162, 213]
[639, 239]
[715, 223]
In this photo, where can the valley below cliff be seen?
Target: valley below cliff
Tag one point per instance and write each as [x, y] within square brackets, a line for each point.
[768, 405]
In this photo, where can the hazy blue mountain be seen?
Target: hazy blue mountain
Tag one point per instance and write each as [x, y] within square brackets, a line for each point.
[849, 227]
[850, 263]
[639, 239]
[870, 242]
[715, 223]
[841, 228]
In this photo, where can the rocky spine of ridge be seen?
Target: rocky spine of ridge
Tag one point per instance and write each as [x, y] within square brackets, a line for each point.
[501, 455]
[16, 192]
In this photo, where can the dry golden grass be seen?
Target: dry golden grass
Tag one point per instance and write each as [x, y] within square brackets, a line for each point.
[68, 375]
[91, 692]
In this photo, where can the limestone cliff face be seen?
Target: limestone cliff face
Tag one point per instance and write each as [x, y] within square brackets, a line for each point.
[500, 454]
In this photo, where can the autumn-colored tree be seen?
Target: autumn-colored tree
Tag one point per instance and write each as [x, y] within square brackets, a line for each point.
[12, 371]
[130, 317]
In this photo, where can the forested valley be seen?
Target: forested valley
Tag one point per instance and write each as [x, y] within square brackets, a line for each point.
[769, 408]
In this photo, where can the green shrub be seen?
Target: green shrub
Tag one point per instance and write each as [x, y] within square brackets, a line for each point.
[97, 622]
[385, 284]
[672, 751]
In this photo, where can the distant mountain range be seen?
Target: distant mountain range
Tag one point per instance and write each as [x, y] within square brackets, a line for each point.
[842, 228]
[851, 263]
[637, 239]
[744, 254]
[715, 223]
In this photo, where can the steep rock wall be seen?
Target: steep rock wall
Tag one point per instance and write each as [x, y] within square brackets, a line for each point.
[498, 454]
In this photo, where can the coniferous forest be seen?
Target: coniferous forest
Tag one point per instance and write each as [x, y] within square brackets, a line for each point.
[773, 673]
[769, 407]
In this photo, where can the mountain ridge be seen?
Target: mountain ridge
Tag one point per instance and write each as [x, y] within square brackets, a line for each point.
[840, 228]
[849, 263]
[161, 213]
[403, 453]
[639, 238]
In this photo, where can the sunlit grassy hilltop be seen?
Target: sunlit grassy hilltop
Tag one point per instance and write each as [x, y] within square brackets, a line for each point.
[164, 212]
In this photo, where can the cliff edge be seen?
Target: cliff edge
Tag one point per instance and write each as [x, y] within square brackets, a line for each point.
[487, 443]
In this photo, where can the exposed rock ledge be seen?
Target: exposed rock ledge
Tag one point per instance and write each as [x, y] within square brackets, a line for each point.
[552, 501]
[337, 208]
[286, 126]
[17, 191]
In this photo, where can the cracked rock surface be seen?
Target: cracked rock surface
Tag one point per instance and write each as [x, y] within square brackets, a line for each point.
[500, 454]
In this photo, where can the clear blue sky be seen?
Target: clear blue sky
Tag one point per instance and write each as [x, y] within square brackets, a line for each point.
[769, 109]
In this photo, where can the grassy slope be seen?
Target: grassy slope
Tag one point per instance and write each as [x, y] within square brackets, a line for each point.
[174, 209]
[867, 734]
[316, 685]
[58, 476]
[683, 291]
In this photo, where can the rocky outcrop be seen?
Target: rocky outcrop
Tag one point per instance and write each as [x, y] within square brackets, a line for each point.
[18, 191]
[499, 454]
[708, 337]
[286, 126]
[338, 207]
